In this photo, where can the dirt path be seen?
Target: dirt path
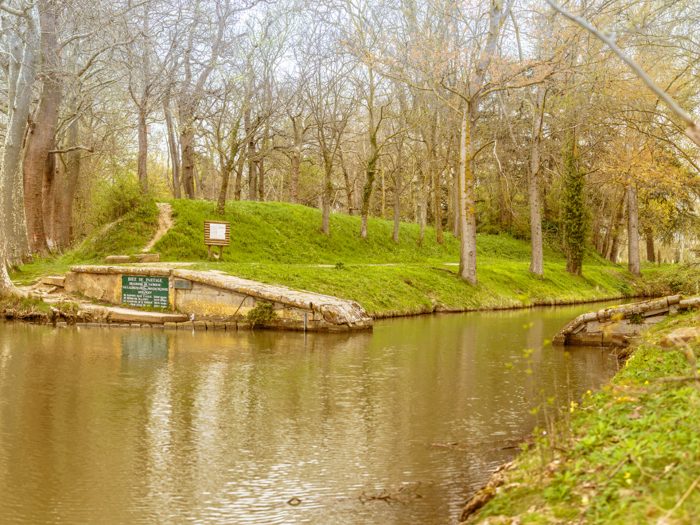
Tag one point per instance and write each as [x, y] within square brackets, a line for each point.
[165, 222]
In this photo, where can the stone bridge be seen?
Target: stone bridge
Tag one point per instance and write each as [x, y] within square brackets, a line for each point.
[615, 326]
[215, 296]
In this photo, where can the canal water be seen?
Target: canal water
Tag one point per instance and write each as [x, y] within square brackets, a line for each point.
[396, 426]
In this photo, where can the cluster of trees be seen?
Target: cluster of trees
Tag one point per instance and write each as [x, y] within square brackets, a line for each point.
[493, 114]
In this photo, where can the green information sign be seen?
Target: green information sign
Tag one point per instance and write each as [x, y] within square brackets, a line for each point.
[141, 290]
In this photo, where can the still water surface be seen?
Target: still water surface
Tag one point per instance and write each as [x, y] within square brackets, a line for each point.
[151, 426]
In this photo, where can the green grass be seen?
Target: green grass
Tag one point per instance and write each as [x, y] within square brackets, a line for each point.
[282, 243]
[627, 455]
[274, 232]
[420, 287]
[126, 236]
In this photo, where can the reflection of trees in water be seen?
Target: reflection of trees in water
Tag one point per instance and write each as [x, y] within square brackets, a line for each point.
[241, 415]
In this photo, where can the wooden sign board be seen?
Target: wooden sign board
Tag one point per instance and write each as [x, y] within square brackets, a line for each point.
[141, 290]
[217, 233]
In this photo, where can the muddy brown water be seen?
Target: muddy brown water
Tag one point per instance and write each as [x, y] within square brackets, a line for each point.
[396, 426]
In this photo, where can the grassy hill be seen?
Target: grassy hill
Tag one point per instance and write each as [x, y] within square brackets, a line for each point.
[282, 243]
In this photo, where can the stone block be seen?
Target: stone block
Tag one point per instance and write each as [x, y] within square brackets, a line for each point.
[117, 259]
[673, 299]
[586, 339]
[147, 257]
[137, 316]
[681, 336]
[54, 280]
[692, 302]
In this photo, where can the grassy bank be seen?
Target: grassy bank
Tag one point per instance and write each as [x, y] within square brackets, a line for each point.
[627, 454]
[127, 235]
[281, 243]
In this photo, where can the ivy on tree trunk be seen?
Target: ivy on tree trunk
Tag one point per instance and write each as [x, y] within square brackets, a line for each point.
[574, 224]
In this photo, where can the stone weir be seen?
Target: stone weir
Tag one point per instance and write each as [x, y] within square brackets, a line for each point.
[616, 326]
[215, 297]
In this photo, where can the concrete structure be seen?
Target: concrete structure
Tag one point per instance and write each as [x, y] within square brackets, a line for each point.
[617, 325]
[213, 296]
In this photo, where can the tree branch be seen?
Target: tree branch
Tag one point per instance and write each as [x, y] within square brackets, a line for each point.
[72, 148]
[12, 10]
[692, 131]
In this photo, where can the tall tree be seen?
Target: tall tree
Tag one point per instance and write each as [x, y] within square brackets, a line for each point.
[573, 208]
[21, 28]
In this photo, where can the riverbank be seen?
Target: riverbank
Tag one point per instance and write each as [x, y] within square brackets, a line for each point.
[627, 454]
[277, 243]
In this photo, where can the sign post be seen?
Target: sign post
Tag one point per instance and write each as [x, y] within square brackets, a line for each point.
[217, 233]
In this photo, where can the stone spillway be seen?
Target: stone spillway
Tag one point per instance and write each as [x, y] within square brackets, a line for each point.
[616, 325]
[215, 297]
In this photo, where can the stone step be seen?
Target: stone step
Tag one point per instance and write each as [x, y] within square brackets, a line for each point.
[118, 314]
[54, 280]
[126, 315]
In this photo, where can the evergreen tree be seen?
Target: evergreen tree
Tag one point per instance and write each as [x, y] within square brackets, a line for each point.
[573, 218]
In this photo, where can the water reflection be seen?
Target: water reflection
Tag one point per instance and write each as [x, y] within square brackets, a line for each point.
[144, 426]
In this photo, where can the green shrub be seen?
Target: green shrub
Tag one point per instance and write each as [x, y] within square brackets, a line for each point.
[636, 318]
[116, 199]
[263, 313]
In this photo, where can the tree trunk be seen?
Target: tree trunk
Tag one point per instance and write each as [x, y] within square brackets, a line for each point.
[226, 168]
[467, 212]
[612, 244]
[187, 144]
[371, 173]
[261, 179]
[422, 206]
[633, 229]
[437, 203]
[42, 133]
[326, 205]
[238, 188]
[13, 241]
[326, 195]
[223, 191]
[397, 208]
[252, 178]
[349, 187]
[296, 160]
[455, 204]
[537, 257]
[651, 249]
[172, 146]
[48, 201]
[65, 188]
[142, 162]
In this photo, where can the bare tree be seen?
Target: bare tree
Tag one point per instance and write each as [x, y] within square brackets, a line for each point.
[21, 28]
